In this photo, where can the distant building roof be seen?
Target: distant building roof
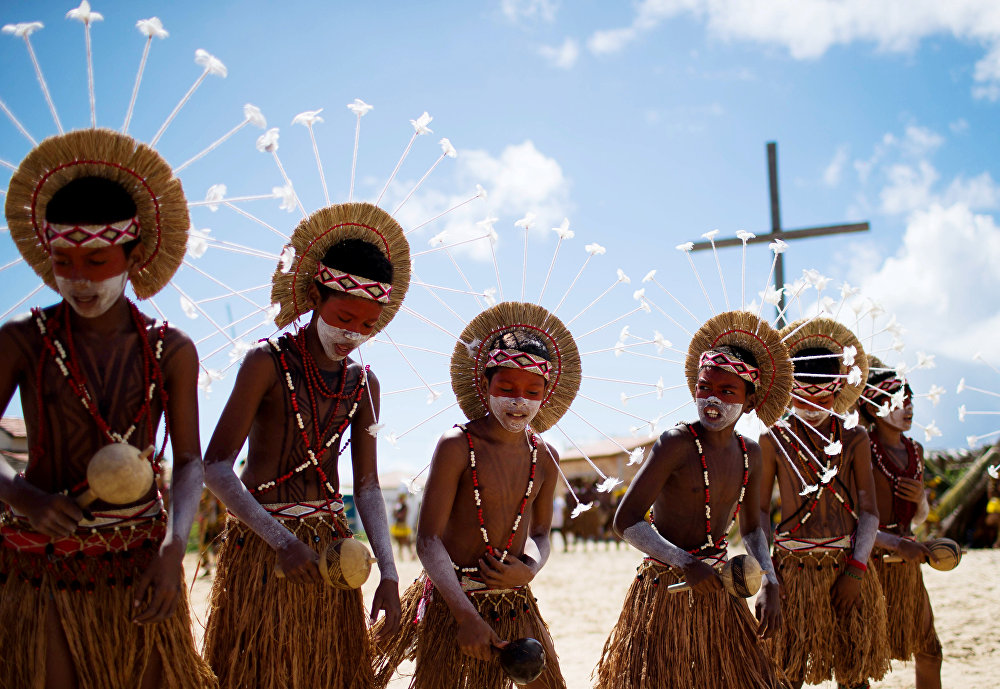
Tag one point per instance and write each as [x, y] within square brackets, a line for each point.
[14, 427]
[606, 448]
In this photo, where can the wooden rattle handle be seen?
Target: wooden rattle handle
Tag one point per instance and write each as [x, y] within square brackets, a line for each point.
[85, 498]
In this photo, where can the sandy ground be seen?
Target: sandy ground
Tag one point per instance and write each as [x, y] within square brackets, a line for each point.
[580, 595]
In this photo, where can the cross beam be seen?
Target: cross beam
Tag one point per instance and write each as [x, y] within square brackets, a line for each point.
[778, 233]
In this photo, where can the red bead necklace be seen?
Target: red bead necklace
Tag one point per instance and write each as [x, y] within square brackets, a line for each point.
[709, 540]
[903, 510]
[479, 501]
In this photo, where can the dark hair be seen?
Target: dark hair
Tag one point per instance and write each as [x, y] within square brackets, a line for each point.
[357, 257]
[865, 407]
[820, 371]
[740, 354]
[92, 201]
[521, 340]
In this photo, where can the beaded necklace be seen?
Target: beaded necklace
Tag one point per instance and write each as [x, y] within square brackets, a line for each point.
[835, 435]
[479, 502]
[314, 385]
[902, 510]
[709, 540]
[68, 362]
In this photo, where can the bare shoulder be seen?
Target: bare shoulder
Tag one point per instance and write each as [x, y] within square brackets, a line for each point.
[547, 447]
[855, 438]
[356, 369]
[20, 340]
[753, 450]
[452, 452]
[671, 442]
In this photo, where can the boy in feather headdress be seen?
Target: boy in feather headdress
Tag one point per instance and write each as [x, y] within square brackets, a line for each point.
[834, 611]
[483, 532]
[698, 479]
[296, 397]
[898, 464]
[94, 598]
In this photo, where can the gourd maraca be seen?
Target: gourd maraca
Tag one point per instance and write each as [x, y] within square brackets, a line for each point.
[346, 564]
[740, 576]
[118, 474]
[523, 660]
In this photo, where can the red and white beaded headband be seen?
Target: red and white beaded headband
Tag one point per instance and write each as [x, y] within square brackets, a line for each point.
[744, 370]
[515, 358]
[91, 236]
[817, 389]
[885, 387]
[353, 284]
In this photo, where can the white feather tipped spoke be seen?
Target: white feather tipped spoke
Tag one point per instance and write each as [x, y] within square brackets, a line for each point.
[767, 283]
[805, 445]
[744, 236]
[618, 347]
[980, 413]
[582, 453]
[623, 382]
[496, 268]
[245, 333]
[616, 409]
[438, 299]
[976, 438]
[675, 300]
[654, 357]
[371, 400]
[319, 162]
[573, 284]
[428, 321]
[465, 279]
[413, 368]
[445, 247]
[413, 389]
[254, 218]
[26, 297]
[718, 265]
[399, 164]
[979, 357]
[981, 390]
[177, 108]
[415, 348]
[156, 307]
[354, 159]
[42, 83]
[447, 289]
[212, 146]
[611, 322]
[697, 275]
[429, 418]
[247, 290]
[668, 316]
[626, 398]
[822, 375]
[249, 250]
[802, 325]
[443, 213]
[7, 164]
[138, 80]
[788, 459]
[239, 360]
[548, 274]
[17, 123]
[420, 182]
[288, 182]
[232, 292]
[593, 303]
[524, 262]
[11, 264]
[204, 313]
[90, 74]
[232, 199]
[823, 356]
[812, 404]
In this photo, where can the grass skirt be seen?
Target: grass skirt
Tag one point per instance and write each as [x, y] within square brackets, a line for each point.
[431, 641]
[93, 597]
[265, 632]
[814, 643]
[908, 610]
[669, 640]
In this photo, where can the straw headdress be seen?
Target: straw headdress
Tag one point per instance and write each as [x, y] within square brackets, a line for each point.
[473, 349]
[148, 179]
[747, 331]
[835, 337]
[321, 230]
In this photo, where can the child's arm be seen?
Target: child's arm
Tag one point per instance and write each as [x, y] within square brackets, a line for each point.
[768, 606]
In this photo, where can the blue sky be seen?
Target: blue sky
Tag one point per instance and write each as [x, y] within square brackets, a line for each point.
[644, 124]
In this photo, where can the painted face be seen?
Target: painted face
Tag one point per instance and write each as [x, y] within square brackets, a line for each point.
[91, 280]
[901, 419]
[720, 396]
[806, 408]
[515, 396]
[344, 323]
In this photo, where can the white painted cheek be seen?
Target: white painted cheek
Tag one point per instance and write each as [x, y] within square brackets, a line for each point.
[729, 413]
[811, 415]
[502, 406]
[330, 337]
[106, 291]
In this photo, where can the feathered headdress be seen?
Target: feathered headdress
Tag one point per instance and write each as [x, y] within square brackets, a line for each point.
[835, 338]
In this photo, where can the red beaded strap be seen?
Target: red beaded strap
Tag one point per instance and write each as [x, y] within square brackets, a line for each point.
[709, 540]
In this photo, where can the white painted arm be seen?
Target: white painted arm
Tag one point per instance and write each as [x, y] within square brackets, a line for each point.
[643, 536]
[756, 544]
[864, 536]
[371, 507]
[227, 486]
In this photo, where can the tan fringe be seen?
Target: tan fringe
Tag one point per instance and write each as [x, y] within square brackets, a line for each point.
[680, 640]
[108, 650]
[432, 642]
[266, 632]
[815, 644]
[910, 620]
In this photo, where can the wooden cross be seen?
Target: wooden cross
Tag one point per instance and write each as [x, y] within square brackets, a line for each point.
[778, 233]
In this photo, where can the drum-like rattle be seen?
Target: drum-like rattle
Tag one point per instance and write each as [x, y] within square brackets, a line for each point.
[945, 554]
[345, 565]
[523, 660]
[740, 576]
[118, 474]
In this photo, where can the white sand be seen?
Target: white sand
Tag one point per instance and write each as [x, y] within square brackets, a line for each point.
[580, 595]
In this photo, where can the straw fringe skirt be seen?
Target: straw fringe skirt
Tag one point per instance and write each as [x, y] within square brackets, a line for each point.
[814, 643]
[92, 597]
[266, 632]
[680, 640]
[431, 640]
[908, 611]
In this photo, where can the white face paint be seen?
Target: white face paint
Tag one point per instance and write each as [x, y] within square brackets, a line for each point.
[811, 415]
[514, 413]
[897, 419]
[92, 299]
[715, 414]
[338, 342]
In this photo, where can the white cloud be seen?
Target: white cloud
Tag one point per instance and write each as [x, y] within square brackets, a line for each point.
[833, 171]
[520, 180]
[909, 187]
[518, 10]
[959, 126]
[809, 28]
[978, 193]
[948, 257]
[563, 56]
